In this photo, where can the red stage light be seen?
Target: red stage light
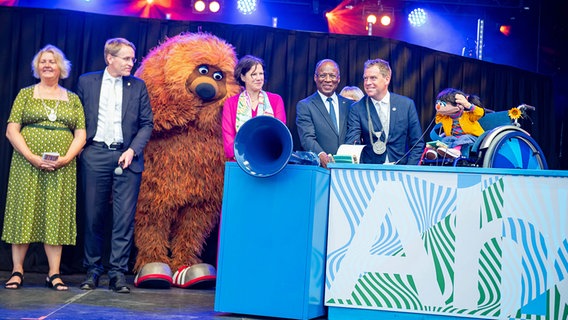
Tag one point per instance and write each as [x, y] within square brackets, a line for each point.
[350, 18]
[150, 8]
[506, 30]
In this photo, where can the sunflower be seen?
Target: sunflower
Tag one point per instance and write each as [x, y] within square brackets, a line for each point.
[515, 113]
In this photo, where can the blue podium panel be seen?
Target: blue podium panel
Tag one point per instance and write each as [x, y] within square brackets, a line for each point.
[411, 242]
[272, 241]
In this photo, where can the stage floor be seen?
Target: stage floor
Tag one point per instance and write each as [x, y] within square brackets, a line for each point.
[35, 301]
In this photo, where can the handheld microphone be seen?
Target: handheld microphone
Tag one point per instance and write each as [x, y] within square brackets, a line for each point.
[118, 170]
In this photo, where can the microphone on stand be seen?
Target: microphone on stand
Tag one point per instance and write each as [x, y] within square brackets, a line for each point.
[526, 106]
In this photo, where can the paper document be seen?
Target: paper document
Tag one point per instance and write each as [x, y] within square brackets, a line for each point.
[348, 153]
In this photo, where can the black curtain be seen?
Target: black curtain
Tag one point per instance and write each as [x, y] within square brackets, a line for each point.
[290, 57]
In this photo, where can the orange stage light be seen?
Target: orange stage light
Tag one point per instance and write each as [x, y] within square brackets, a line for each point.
[346, 19]
[149, 8]
[349, 18]
[386, 20]
[506, 30]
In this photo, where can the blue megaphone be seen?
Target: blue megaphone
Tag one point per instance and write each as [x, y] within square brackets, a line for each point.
[263, 146]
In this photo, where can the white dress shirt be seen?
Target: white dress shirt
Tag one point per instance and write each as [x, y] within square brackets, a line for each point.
[111, 93]
[335, 106]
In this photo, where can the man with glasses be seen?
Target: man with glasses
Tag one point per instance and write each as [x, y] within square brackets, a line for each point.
[119, 123]
[386, 123]
[321, 118]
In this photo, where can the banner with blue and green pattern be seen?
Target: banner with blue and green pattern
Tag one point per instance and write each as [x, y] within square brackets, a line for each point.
[444, 243]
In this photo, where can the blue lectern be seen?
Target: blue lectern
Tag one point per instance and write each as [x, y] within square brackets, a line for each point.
[272, 243]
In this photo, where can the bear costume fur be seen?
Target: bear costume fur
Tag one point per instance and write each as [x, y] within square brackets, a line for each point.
[189, 77]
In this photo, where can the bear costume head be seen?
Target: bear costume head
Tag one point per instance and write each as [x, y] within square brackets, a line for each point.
[187, 76]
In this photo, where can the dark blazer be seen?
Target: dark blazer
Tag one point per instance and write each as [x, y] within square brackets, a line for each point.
[137, 118]
[315, 129]
[405, 132]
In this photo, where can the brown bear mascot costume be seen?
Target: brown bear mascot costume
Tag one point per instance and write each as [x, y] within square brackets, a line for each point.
[189, 77]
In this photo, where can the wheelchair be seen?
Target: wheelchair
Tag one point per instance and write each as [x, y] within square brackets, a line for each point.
[503, 145]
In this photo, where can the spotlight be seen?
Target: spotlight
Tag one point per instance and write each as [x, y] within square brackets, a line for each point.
[214, 6]
[505, 29]
[246, 6]
[206, 6]
[199, 6]
[417, 17]
[386, 20]
[377, 13]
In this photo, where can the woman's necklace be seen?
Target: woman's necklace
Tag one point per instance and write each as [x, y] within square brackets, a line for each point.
[254, 102]
[51, 112]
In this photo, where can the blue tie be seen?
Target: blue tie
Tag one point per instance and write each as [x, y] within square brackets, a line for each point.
[332, 113]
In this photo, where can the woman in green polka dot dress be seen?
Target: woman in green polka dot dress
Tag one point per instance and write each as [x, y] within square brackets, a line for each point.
[41, 200]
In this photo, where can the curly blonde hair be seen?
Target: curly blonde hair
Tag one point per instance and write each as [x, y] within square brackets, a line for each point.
[62, 62]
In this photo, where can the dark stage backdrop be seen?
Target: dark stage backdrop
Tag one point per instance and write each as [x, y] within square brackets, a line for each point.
[290, 57]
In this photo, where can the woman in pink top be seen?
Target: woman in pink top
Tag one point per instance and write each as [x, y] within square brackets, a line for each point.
[251, 102]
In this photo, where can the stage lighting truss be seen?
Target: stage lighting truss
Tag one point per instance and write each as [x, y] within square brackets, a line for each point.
[206, 6]
[246, 6]
[384, 15]
[417, 17]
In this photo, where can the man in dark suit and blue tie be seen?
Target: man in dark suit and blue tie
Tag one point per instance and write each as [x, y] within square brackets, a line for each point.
[321, 118]
[119, 123]
[386, 123]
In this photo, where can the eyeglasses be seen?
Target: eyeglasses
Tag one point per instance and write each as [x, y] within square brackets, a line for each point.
[323, 76]
[126, 59]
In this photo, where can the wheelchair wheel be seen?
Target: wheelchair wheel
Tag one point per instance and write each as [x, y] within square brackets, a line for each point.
[515, 150]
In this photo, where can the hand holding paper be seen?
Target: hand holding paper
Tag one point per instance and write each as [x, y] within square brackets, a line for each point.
[348, 153]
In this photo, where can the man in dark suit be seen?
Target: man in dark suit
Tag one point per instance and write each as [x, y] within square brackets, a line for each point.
[119, 123]
[386, 123]
[322, 117]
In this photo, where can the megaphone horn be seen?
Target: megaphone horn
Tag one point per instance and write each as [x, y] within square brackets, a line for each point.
[263, 146]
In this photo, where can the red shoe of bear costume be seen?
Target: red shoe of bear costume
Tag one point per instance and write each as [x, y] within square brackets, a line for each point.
[189, 77]
[198, 276]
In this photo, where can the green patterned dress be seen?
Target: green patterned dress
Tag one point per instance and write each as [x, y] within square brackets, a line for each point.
[41, 205]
